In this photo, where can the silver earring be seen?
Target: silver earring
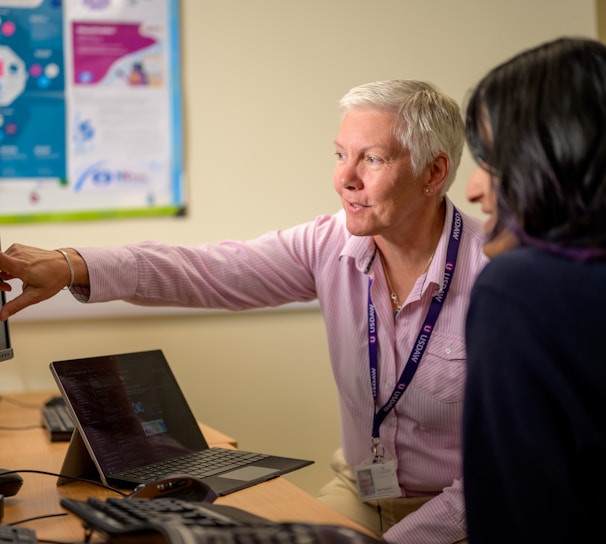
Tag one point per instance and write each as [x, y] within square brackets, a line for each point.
[428, 190]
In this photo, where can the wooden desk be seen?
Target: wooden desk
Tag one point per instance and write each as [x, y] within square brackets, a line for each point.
[31, 449]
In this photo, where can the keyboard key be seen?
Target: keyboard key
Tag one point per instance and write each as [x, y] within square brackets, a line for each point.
[17, 535]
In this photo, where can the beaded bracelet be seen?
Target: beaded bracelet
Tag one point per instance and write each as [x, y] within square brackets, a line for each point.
[71, 269]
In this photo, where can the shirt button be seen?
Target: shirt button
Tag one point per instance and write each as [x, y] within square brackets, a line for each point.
[448, 351]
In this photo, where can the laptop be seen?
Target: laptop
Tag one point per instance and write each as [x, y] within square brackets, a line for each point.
[132, 426]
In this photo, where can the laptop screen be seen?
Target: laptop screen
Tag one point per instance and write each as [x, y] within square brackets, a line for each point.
[130, 408]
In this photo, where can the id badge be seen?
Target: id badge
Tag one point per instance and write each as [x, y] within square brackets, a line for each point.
[377, 481]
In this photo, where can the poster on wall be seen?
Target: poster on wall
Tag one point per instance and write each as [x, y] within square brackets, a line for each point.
[90, 110]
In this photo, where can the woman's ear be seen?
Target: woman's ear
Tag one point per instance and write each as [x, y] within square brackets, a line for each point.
[438, 170]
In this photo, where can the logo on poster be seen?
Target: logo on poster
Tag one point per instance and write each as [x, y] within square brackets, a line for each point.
[102, 177]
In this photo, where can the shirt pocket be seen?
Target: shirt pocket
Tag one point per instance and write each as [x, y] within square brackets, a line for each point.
[442, 370]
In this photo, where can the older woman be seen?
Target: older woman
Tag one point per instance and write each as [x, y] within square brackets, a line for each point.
[392, 272]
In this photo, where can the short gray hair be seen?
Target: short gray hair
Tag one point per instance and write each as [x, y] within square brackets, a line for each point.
[427, 120]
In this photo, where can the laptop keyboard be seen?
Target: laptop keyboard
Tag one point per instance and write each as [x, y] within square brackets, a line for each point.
[199, 464]
[174, 521]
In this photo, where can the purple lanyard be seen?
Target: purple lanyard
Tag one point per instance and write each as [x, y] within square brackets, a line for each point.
[417, 352]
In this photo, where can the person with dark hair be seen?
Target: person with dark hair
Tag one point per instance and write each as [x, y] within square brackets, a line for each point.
[534, 419]
[392, 272]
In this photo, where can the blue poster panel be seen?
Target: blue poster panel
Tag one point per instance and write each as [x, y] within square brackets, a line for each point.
[90, 109]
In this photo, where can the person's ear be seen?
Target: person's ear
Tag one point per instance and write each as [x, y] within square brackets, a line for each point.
[438, 170]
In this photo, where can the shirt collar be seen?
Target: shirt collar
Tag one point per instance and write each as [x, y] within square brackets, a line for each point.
[364, 252]
[435, 273]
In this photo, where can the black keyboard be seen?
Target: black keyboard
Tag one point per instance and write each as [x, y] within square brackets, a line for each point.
[58, 422]
[17, 535]
[199, 464]
[174, 521]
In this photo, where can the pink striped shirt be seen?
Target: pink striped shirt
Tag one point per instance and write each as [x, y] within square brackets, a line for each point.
[322, 260]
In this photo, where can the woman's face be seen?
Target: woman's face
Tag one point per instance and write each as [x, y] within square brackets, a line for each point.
[373, 175]
[480, 190]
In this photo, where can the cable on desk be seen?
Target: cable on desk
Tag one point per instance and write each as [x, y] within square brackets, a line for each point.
[32, 471]
[20, 403]
[74, 478]
[41, 540]
[45, 516]
[22, 428]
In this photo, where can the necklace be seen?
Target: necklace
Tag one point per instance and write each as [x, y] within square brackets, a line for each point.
[392, 292]
[393, 295]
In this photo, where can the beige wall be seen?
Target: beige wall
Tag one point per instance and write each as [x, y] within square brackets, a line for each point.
[601, 23]
[261, 83]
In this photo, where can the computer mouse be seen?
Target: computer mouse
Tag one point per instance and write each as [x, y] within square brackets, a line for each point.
[10, 482]
[176, 486]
